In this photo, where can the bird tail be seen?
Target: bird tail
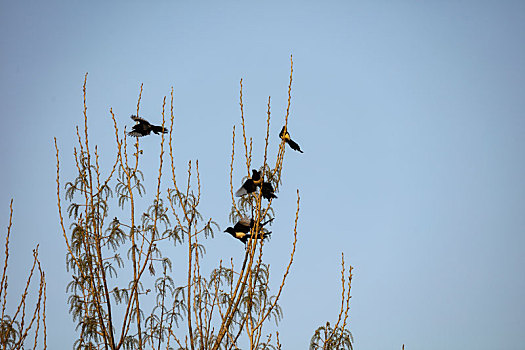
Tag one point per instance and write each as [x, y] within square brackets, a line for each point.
[294, 145]
[268, 195]
[159, 129]
[266, 234]
[262, 235]
[267, 221]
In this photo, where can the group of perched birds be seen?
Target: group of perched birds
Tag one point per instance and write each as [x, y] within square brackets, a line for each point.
[242, 229]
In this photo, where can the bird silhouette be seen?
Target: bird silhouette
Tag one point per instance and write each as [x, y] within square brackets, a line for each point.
[267, 191]
[285, 135]
[250, 185]
[143, 127]
[241, 230]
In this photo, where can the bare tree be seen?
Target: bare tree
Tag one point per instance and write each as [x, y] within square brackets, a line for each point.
[123, 294]
[17, 330]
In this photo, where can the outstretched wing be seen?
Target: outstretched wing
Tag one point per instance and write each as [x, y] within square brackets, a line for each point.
[243, 225]
[241, 192]
[139, 119]
[136, 134]
[247, 187]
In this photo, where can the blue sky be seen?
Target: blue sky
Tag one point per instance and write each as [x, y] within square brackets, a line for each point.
[410, 114]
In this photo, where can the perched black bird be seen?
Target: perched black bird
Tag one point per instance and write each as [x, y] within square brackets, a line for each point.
[250, 185]
[241, 230]
[285, 135]
[267, 191]
[143, 128]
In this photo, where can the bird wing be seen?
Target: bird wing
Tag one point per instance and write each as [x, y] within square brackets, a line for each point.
[247, 187]
[241, 192]
[245, 221]
[267, 191]
[243, 225]
[268, 195]
[139, 119]
[136, 134]
[267, 186]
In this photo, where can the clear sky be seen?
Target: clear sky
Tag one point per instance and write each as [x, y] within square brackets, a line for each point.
[410, 114]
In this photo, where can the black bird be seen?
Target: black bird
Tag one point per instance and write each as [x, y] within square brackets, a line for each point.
[267, 191]
[241, 230]
[250, 185]
[285, 135]
[143, 128]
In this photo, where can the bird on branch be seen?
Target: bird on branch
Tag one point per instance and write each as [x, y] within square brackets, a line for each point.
[267, 191]
[250, 185]
[285, 136]
[241, 230]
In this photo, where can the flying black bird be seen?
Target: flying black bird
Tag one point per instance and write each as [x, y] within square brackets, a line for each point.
[267, 191]
[143, 128]
[250, 185]
[241, 230]
[285, 135]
